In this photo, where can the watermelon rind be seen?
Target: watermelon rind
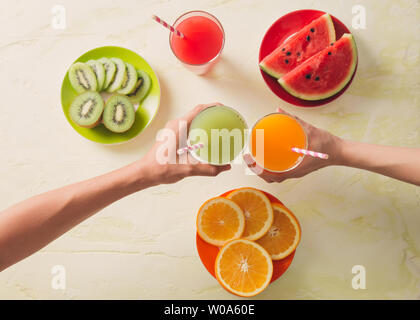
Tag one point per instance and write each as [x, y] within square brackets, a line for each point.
[334, 91]
[270, 71]
[331, 28]
[278, 75]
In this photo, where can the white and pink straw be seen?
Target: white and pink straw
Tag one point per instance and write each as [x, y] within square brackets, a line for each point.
[168, 26]
[311, 153]
[190, 148]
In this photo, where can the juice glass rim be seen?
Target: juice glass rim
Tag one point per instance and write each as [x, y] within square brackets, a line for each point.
[218, 24]
[198, 158]
[300, 159]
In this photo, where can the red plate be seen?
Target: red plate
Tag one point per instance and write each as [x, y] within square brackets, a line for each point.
[208, 252]
[282, 29]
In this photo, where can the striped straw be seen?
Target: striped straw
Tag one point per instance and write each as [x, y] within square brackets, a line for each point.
[190, 148]
[168, 26]
[311, 153]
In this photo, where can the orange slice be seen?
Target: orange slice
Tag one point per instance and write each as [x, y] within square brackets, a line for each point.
[257, 211]
[243, 268]
[220, 220]
[283, 236]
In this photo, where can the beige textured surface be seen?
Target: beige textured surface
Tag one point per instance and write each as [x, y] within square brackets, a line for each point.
[143, 246]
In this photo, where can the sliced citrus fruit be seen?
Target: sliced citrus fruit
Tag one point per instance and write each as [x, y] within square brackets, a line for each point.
[257, 211]
[283, 236]
[220, 220]
[243, 267]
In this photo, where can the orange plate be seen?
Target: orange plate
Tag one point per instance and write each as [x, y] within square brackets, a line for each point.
[208, 252]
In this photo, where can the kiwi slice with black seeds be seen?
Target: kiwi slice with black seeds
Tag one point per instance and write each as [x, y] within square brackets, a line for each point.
[110, 70]
[86, 109]
[129, 81]
[142, 87]
[120, 75]
[82, 77]
[99, 71]
[119, 114]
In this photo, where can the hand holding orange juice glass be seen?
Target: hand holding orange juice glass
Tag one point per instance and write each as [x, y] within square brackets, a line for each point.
[272, 140]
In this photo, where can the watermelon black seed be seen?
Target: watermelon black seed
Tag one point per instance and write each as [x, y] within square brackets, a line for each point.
[317, 79]
[308, 76]
[288, 53]
[329, 53]
[312, 30]
[308, 38]
[287, 61]
[298, 54]
[283, 49]
[331, 44]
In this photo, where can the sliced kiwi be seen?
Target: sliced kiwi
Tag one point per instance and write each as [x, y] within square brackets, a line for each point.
[118, 114]
[142, 87]
[82, 77]
[129, 81]
[110, 70]
[86, 109]
[120, 75]
[99, 71]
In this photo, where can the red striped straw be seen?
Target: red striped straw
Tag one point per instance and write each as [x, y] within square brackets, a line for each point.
[311, 153]
[190, 148]
[168, 26]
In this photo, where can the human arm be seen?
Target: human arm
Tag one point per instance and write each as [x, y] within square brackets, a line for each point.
[31, 224]
[395, 162]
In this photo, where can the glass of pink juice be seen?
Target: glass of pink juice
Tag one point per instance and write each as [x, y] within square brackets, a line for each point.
[203, 42]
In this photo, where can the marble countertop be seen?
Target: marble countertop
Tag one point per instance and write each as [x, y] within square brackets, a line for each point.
[143, 247]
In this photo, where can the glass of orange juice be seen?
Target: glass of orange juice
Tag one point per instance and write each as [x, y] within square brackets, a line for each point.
[272, 140]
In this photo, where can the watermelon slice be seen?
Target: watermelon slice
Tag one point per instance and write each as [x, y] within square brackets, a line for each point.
[299, 47]
[325, 73]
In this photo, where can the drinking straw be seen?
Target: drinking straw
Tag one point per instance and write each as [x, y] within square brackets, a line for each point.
[311, 153]
[168, 26]
[190, 148]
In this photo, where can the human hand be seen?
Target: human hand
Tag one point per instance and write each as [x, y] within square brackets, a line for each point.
[318, 140]
[180, 166]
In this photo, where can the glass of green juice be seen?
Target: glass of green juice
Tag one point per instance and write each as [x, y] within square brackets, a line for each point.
[222, 132]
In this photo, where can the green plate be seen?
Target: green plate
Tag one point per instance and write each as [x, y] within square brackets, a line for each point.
[144, 113]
